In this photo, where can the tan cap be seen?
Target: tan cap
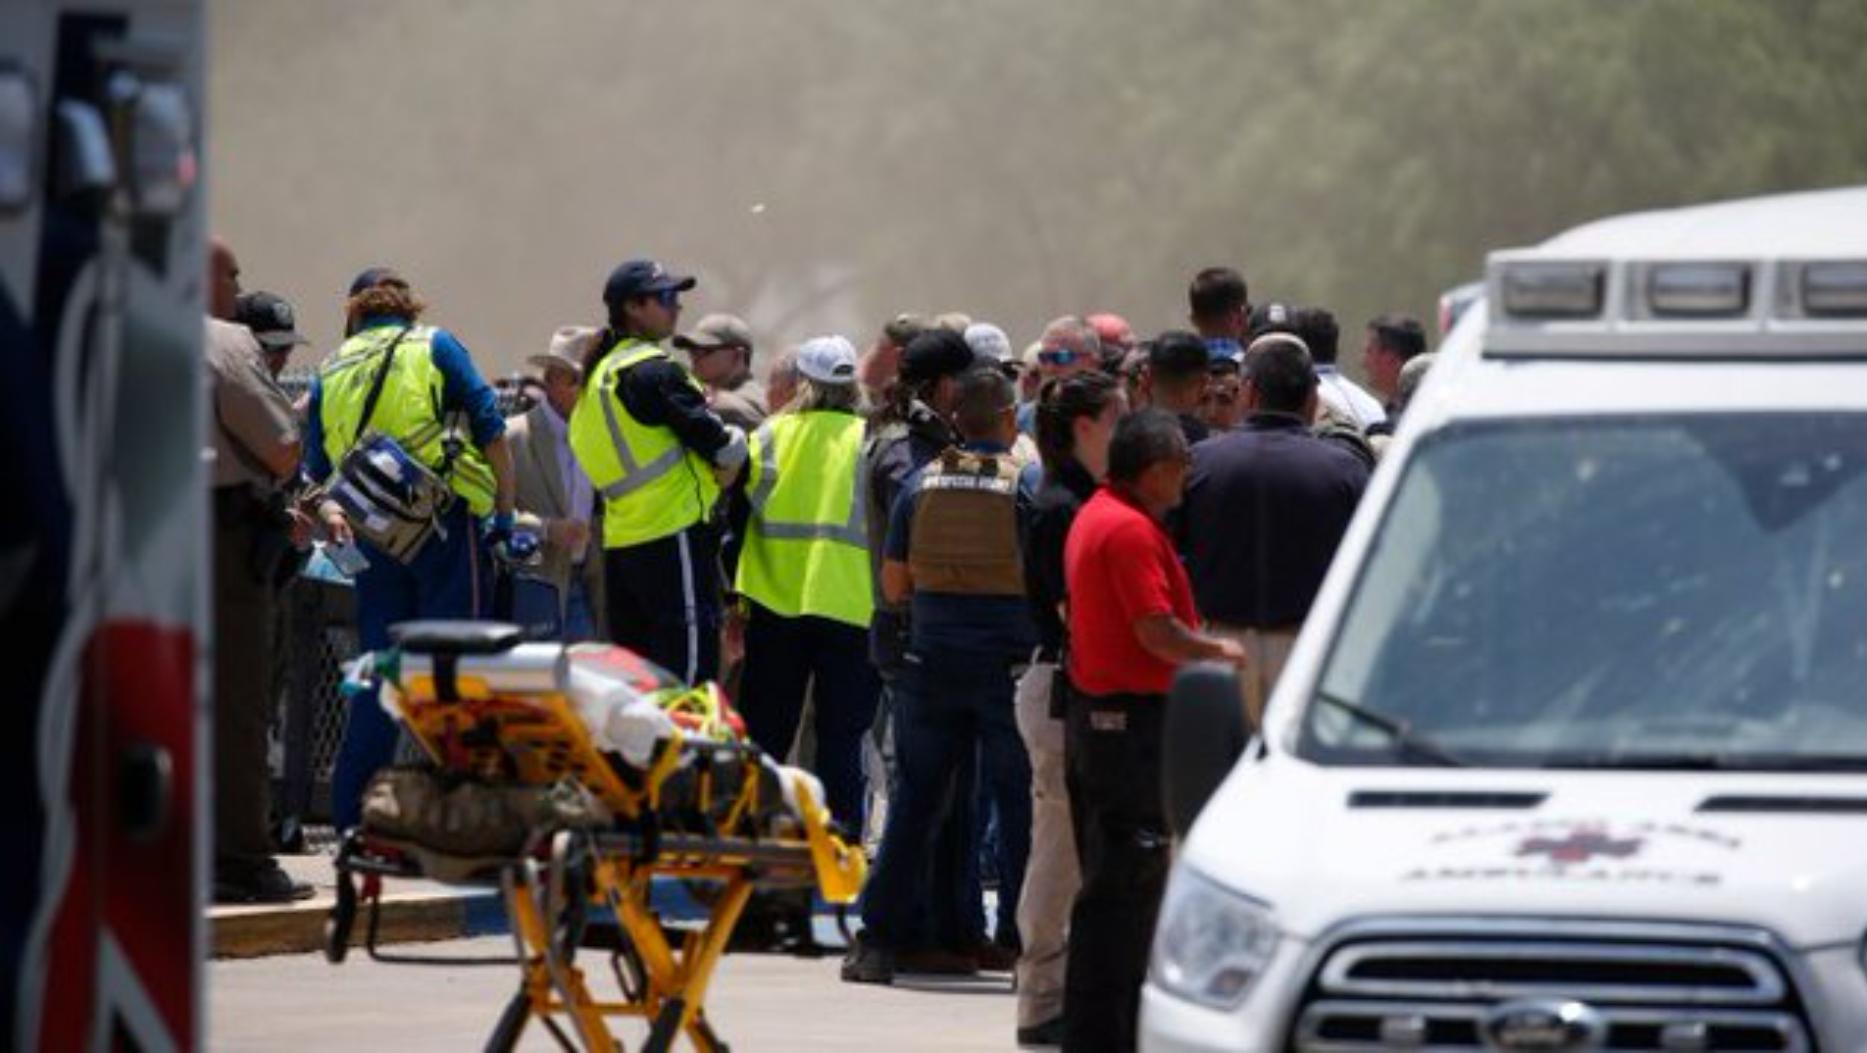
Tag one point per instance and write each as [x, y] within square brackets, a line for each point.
[954, 320]
[569, 345]
[715, 331]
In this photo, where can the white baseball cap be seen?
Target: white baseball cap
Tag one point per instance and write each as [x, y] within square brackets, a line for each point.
[988, 341]
[827, 360]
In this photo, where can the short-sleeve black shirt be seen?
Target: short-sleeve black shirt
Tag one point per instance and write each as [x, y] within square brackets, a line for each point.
[1059, 497]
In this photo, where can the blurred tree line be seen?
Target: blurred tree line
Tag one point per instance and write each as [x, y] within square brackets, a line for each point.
[826, 163]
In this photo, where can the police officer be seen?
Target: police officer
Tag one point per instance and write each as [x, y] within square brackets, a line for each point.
[415, 384]
[254, 442]
[658, 457]
[803, 575]
[910, 429]
[953, 552]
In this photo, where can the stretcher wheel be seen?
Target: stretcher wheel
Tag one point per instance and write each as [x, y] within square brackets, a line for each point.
[505, 1036]
[343, 919]
[667, 1026]
[712, 1041]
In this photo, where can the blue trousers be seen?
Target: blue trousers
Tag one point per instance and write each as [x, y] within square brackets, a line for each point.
[448, 578]
[949, 707]
[535, 609]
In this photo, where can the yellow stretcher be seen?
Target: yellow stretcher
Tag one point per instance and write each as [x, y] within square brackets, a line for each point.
[700, 806]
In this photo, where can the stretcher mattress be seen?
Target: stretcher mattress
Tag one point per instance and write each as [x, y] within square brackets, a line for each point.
[631, 709]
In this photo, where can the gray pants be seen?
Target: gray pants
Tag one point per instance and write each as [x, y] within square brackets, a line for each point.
[1051, 877]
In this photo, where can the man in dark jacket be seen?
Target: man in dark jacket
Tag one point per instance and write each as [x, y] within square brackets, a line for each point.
[1265, 508]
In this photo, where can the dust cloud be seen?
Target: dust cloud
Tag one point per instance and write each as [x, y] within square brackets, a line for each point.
[823, 164]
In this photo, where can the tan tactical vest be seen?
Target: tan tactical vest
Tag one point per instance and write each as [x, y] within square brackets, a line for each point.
[965, 534]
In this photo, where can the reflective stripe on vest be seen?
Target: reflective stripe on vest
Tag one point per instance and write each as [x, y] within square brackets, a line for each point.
[852, 531]
[409, 409]
[634, 476]
[805, 552]
[637, 467]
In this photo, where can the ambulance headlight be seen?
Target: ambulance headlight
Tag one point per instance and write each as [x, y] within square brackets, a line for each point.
[1211, 943]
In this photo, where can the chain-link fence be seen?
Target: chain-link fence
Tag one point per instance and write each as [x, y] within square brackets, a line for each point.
[317, 643]
[320, 638]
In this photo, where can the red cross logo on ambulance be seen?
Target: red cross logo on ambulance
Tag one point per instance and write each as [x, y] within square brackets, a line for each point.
[1580, 846]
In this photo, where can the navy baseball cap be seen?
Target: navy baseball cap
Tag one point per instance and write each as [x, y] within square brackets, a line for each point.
[371, 277]
[642, 278]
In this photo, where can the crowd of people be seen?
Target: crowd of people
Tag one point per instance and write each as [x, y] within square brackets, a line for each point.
[955, 579]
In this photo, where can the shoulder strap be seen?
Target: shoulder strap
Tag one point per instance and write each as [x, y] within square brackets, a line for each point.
[382, 374]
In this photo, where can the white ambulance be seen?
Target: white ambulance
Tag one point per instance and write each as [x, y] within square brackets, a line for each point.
[1572, 752]
[103, 546]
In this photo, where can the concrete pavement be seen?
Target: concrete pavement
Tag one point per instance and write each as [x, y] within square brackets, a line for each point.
[759, 1002]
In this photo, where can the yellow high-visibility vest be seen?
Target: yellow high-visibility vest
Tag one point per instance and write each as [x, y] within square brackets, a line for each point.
[408, 410]
[652, 486]
[806, 545]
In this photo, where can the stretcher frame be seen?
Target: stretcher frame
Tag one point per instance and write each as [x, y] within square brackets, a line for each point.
[468, 729]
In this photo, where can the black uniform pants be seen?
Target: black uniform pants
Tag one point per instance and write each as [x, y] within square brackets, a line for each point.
[244, 600]
[664, 601]
[787, 657]
[1112, 747]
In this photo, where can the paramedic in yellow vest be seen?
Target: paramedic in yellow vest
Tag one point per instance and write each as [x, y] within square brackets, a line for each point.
[658, 458]
[803, 578]
[432, 401]
[953, 554]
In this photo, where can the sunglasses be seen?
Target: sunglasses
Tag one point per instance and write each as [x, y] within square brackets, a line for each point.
[669, 298]
[1062, 357]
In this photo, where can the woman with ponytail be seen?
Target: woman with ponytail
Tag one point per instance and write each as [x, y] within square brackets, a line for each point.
[658, 457]
[1075, 419]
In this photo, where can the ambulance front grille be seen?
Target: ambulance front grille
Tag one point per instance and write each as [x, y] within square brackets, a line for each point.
[1555, 987]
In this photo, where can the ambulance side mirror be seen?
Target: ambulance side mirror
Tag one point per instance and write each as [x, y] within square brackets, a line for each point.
[1205, 735]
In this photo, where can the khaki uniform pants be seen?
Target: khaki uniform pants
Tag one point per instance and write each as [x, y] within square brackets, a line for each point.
[1266, 651]
[1051, 877]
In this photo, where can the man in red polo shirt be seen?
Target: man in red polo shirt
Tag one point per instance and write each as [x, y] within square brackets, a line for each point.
[1132, 624]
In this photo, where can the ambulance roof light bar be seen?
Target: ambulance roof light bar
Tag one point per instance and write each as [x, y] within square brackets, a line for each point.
[1553, 307]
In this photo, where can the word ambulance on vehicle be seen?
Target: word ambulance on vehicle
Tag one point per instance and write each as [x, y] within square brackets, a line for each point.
[1572, 752]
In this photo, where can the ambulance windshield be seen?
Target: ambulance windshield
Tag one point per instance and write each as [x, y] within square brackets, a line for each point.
[1642, 592]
